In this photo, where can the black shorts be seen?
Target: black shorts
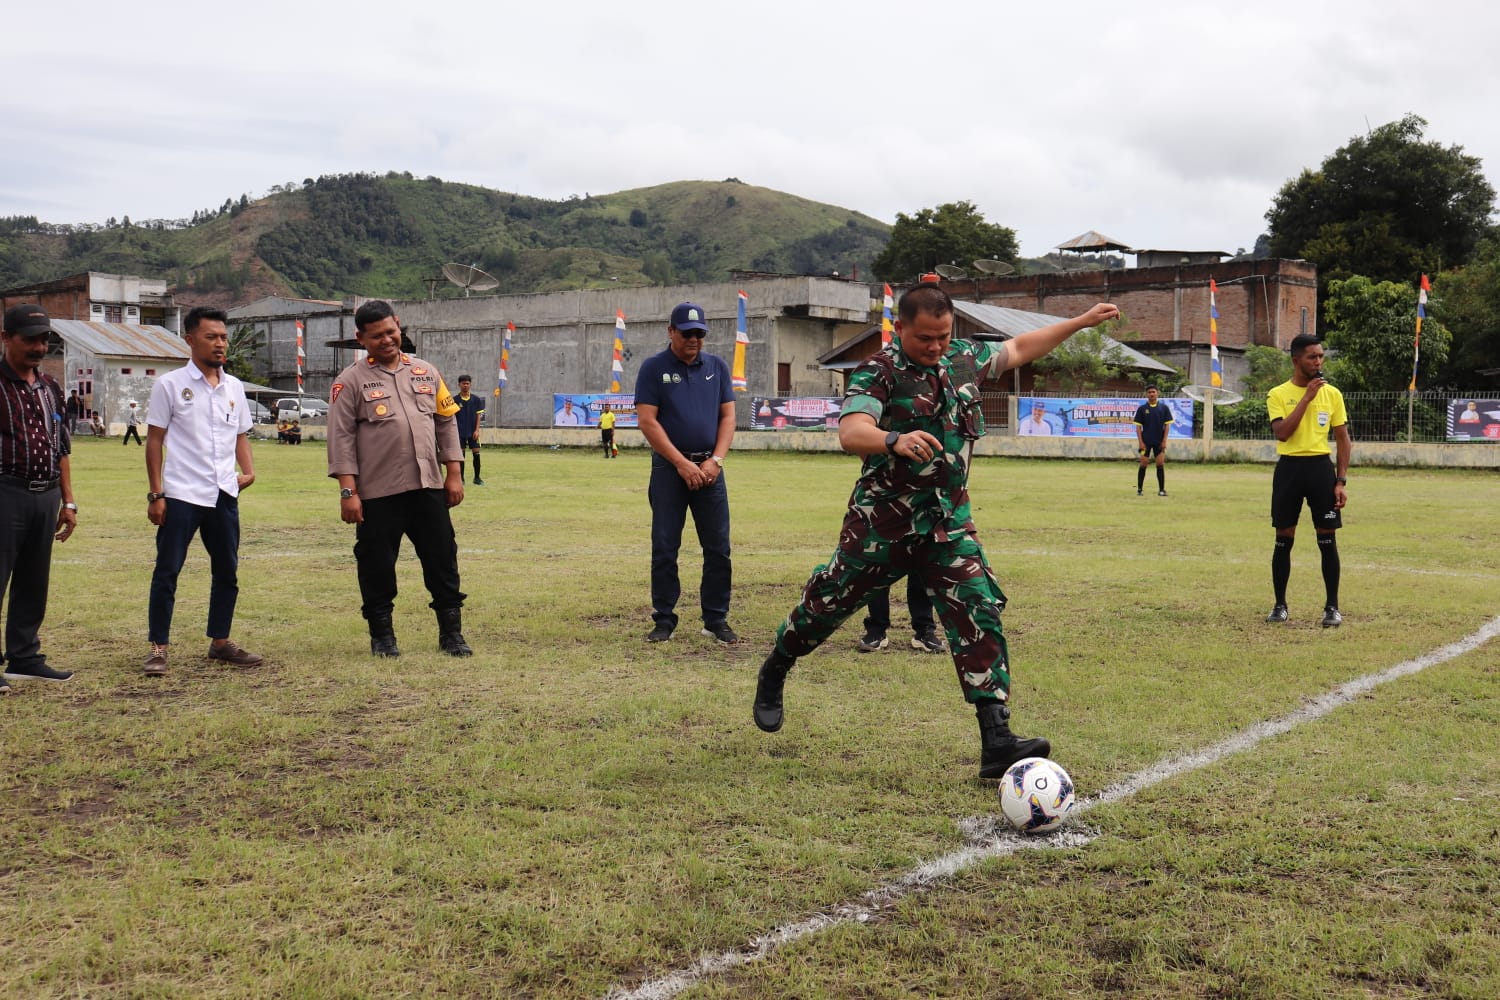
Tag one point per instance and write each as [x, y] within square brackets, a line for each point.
[1152, 450]
[1304, 477]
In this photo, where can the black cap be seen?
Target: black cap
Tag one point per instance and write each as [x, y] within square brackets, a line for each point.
[27, 320]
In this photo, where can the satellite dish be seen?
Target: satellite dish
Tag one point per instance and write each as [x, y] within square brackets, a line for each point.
[950, 272]
[994, 266]
[1216, 395]
[470, 279]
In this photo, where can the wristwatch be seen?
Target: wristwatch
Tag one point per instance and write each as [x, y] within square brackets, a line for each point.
[70, 505]
[1341, 480]
[345, 493]
[153, 497]
[718, 460]
[890, 441]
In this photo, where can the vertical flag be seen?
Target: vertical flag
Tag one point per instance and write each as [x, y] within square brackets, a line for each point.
[510, 328]
[1215, 366]
[617, 368]
[741, 341]
[887, 330]
[1416, 344]
[301, 357]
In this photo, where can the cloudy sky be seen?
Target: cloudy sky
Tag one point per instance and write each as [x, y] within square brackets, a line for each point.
[1163, 124]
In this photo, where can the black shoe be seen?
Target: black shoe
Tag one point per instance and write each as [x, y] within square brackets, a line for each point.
[927, 641]
[768, 685]
[873, 640]
[1139, 493]
[383, 637]
[478, 481]
[999, 747]
[450, 632]
[661, 633]
[1331, 617]
[36, 671]
[721, 633]
[1161, 493]
[1278, 614]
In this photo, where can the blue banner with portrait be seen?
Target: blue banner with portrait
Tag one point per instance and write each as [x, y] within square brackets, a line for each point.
[801, 413]
[582, 409]
[1040, 416]
[1474, 420]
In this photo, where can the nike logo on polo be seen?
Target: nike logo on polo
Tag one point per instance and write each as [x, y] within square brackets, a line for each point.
[710, 378]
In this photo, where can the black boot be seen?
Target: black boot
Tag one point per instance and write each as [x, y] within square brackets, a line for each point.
[450, 632]
[999, 747]
[768, 690]
[383, 637]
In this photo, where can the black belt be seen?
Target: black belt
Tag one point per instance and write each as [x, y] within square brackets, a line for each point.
[699, 457]
[34, 485]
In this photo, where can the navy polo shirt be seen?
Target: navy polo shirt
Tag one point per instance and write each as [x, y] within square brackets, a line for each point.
[687, 397]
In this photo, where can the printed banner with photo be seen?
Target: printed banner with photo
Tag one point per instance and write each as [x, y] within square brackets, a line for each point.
[578, 409]
[1038, 416]
[1474, 420]
[768, 413]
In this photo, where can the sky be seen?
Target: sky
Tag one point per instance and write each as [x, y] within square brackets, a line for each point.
[1164, 125]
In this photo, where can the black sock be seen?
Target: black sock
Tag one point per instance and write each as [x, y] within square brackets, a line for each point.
[1140, 478]
[1328, 548]
[1281, 567]
[460, 472]
[1161, 479]
[476, 467]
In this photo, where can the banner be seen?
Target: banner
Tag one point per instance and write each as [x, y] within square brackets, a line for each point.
[1474, 420]
[769, 413]
[1038, 416]
[582, 409]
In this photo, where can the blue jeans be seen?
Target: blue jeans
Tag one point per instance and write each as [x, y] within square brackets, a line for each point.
[219, 527]
[670, 501]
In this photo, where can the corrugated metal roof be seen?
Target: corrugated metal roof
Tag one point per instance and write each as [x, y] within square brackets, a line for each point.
[122, 340]
[1092, 240]
[1008, 322]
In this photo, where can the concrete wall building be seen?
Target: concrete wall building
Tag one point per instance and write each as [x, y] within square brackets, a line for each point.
[274, 320]
[96, 297]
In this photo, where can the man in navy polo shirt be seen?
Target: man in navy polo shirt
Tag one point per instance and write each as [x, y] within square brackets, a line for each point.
[684, 404]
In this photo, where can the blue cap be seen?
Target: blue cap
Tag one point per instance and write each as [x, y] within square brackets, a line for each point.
[689, 316]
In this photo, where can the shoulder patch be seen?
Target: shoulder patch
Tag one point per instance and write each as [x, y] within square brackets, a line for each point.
[333, 396]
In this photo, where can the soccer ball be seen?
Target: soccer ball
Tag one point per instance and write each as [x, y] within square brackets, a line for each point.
[1036, 795]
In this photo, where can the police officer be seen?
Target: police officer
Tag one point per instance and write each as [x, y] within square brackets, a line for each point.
[36, 490]
[684, 404]
[393, 446]
[909, 411]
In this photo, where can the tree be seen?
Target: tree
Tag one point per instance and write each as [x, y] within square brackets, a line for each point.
[953, 232]
[1468, 303]
[244, 343]
[1081, 363]
[1371, 329]
[1387, 205]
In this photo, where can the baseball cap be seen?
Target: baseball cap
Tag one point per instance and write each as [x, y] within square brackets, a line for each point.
[689, 316]
[27, 320]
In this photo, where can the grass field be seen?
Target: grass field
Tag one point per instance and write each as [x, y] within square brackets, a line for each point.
[572, 811]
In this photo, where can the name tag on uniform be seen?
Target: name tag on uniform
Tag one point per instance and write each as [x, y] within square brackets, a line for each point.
[425, 390]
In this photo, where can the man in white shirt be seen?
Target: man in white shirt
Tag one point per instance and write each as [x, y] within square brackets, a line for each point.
[200, 415]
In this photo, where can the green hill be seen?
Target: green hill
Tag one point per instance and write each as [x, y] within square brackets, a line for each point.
[388, 236]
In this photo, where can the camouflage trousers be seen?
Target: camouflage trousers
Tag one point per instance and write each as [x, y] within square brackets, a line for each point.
[956, 575]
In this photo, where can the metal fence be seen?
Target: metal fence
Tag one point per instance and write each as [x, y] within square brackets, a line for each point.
[1373, 416]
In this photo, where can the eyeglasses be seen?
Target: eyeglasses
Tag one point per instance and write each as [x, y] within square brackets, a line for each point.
[691, 334]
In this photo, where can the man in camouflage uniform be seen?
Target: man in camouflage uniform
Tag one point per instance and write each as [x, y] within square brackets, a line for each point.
[911, 411]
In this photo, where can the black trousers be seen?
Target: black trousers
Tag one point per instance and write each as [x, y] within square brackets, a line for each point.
[27, 523]
[422, 516]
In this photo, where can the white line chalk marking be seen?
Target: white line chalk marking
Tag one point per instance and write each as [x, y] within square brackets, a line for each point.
[987, 840]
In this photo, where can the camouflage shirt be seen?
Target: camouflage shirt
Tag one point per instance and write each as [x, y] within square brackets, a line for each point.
[896, 496]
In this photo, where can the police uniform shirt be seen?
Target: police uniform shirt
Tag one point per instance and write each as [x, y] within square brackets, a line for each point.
[1325, 412]
[393, 431]
[687, 397]
[203, 424]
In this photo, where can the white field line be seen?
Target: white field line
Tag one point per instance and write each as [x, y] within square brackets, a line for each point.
[986, 839]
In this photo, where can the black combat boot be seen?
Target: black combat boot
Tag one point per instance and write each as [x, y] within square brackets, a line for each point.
[450, 632]
[768, 690]
[383, 637]
[999, 747]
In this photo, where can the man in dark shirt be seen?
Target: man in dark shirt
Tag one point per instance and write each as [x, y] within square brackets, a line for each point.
[685, 407]
[1151, 420]
[469, 417]
[36, 490]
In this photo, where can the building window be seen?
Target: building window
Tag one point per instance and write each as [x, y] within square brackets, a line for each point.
[125, 371]
[784, 378]
[113, 314]
[151, 372]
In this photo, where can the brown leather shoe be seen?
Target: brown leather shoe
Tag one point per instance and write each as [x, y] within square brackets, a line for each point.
[229, 652]
[156, 663]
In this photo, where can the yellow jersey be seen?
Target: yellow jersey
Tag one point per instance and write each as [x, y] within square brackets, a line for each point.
[1325, 412]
